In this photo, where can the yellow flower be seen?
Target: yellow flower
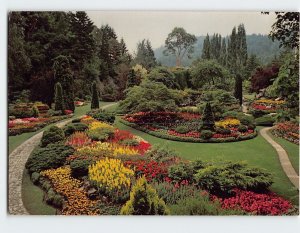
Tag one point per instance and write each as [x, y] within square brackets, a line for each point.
[227, 123]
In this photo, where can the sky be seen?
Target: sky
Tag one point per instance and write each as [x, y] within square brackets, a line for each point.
[135, 26]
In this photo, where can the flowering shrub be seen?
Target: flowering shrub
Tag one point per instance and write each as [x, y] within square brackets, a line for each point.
[87, 120]
[150, 169]
[110, 174]
[78, 139]
[77, 202]
[142, 147]
[287, 130]
[261, 204]
[99, 125]
[267, 105]
[121, 135]
[228, 123]
[96, 150]
[192, 134]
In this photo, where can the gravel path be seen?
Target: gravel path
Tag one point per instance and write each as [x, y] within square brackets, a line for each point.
[283, 158]
[16, 166]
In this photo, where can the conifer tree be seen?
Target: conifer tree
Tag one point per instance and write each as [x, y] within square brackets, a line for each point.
[208, 121]
[95, 97]
[131, 79]
[238, 89]
[58, 98]
[206, 48]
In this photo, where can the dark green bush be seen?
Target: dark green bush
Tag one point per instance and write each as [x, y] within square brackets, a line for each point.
[73, 127]
[252, 126]
[102, 115]
[77, 120]
[222, 130]
[100, 134]
[246, 120]
[257, 113]
[52, 135]
[182, 129]
[129, 142]
[108, 208]
[180, 172]
[232, 114]
[79, 168]
[222, 178]
[160, 153]
[206, 134]
[52, 156]
[35, 177]
[242, 128]
[54, 199]
[265, 120]
[52, 112]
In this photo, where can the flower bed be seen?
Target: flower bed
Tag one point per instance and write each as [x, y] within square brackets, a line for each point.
[287, 130]
[32, 124]
[267, 105]
[167, 129]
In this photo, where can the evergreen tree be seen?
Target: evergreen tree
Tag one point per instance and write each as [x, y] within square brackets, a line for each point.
[208, 121]
[58, 98]
[95, 97]
[206, 48]
[145, 55]
[238, 89]
[63, 74]
[131, 79]
[252, 64]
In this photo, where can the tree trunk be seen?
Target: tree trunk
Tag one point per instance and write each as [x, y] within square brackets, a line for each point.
[178, 61]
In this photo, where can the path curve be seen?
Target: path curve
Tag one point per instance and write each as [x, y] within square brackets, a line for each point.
[16, 166]
[283, 158]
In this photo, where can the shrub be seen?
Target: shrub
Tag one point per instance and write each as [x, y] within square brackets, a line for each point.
[206, 134]
[35, 177]
[208, 121]
[265, 121]
[182, 129]
[231, 114]
[102, 115]
[77, 120]
[242, 128]
[222, 179]
[54, 199]
[222, 130]
[144, 201]
[95, 97]
[251, 126]
[52, 156]
[257, 113]
[73, 127]
[58, 98]
[129, 142]
[35, 111]
[160, 153]
[246, 120]
[79, 168]
[180, 172]
[52, 135]
[100, 134]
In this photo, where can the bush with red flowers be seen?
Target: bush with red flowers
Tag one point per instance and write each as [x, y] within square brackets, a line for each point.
[287, 130]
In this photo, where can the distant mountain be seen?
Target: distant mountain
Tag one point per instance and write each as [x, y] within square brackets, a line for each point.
[260, 45]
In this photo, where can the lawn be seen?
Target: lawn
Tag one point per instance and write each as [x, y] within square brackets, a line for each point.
[256, 152]
[15, 141]
[291, 149]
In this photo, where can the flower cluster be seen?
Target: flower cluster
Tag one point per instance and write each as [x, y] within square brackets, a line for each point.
[78, 139]
[77, 202]
[79, 103]
[267, 105]
[228, 123]
[99, 125]
[192, 134]
[110, 174]
[270, 102]
[87, 120]
[96, 150]
[150, 169]
[261, 204]
[287, 130]
[232, 134]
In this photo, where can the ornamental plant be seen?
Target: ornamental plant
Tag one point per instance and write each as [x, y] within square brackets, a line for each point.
[58, 98]
[95, 97]
[208, 121]
[52, 135]
[110, 174]
[78, 139]
[228, 123]
[144, 201]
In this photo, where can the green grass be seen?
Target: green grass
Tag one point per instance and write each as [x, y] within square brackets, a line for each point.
[256, 152]
[291, 149]
[15, 141]
[112, 108]
[33, 198]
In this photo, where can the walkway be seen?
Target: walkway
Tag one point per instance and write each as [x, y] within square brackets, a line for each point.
[283, 158]
[16, 166]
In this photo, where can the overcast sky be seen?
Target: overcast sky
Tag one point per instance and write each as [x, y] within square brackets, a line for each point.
[134, 26]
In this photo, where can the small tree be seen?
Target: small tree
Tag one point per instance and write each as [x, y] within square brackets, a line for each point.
[144, 201]
[131, 79]
[95, 97]
[58, 98]
[208, 121]
[238, 89]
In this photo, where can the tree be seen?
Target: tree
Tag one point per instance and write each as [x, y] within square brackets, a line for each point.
[252, 64]
[163, 75]
[286, 29]
[208, 121]
[238, 89]
[95, 97]
[179, 43]
[131, 79]
[223, 55]
[63, 74]
[206, 48]
[148, 97]
[145, 55]
[58, 98]
[144, 201]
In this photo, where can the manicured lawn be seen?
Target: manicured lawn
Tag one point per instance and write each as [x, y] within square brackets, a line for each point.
[15, 141]
[256, 152]
[291, 149]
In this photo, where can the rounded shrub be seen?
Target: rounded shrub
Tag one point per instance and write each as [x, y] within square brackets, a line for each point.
[246, 120]
[180, 172]
[182, 129]
[206, 134]
[265, 121]
[73, 127]
[79, 168]
[222, 130]
[53, 135]
[242, 128]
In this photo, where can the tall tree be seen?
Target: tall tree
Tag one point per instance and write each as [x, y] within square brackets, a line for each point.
[223, 55]
[179, 43]
[95, 97]
[206, 48]
[208, 121]
[145, 55]
[58, 98]
[131, 79]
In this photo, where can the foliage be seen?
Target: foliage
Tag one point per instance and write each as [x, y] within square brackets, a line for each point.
[102, 115]
[228, 123]
[265, 120]
[52, 156]
[52, 135]
[287, 130]
[149, 96]
[78, 139]
[238, 89]
[73, 127]
[221, 179]
[182, 129]
[180, 172]
[145, 55]
[100, 131]
[179, 43]
[144, 201]
[208, 121]
[79, 168]
[160, 153]
[58, 98]
[95, 97]
[242, 128]
[132, 79]
[206, 134]
[163, 75]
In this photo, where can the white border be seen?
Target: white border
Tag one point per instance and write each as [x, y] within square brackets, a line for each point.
[129, 224]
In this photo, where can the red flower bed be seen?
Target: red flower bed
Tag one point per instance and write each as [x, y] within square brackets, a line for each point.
[287, 130]
[263, 107]
[261, 204]
[142, 147]
[189, 116]
[192, 134]
[151, 169]
[121, 135]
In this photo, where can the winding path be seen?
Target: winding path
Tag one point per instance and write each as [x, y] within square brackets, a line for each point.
[283, 158]
[16, 166]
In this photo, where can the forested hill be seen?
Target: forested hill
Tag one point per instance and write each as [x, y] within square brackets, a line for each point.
[260, 45]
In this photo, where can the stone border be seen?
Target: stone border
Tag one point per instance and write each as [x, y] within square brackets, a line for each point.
[283, 158]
